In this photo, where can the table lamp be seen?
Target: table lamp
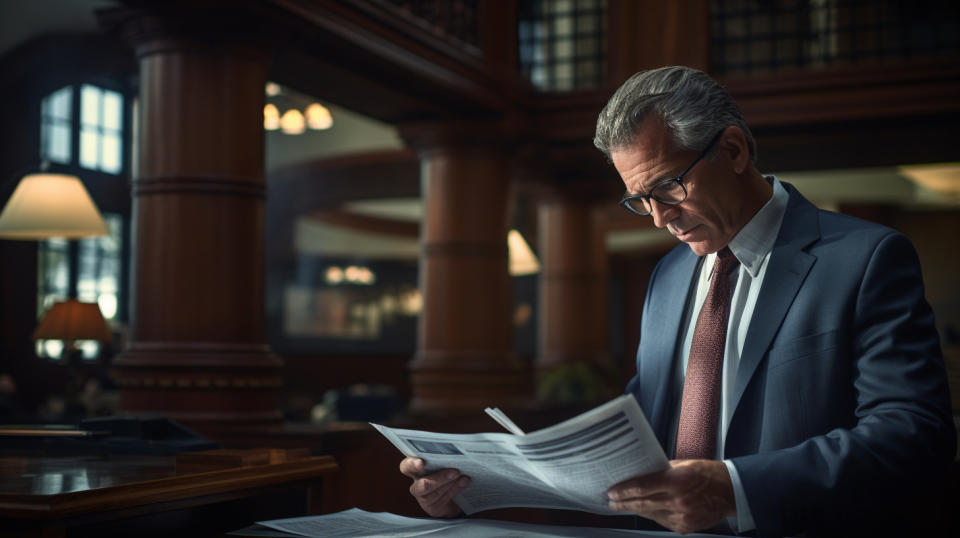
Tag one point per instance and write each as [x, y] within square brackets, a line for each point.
[72, 320]
[48, 205]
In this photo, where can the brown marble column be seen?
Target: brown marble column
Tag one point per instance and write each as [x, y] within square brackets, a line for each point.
[465, 359]
[197, 350]
[573, 363]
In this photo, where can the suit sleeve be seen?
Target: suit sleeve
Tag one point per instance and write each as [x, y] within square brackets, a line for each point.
[865, 477]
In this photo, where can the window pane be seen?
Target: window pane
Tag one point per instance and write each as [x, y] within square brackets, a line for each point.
[57, 143]
[89, 148]
[58, 103]
[111, 153]
[555, 35]
[99, 260]
[587, 24]
[562, 6]
[563, 49]
[55, 126]
[112, 110]
[53, 273]
[90, 105]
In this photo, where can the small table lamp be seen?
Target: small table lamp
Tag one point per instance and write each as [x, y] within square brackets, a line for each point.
[72, 320]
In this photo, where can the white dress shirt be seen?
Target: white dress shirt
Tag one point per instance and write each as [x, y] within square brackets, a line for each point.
[752, 246]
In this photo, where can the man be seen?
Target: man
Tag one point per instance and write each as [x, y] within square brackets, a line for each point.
[787, 359]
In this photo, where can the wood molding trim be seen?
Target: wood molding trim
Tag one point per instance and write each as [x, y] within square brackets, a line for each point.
[865, 93]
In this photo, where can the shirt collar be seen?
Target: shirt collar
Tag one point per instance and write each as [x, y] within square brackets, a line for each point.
[755, 240]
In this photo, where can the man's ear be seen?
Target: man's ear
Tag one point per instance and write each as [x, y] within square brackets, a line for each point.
[734, 144]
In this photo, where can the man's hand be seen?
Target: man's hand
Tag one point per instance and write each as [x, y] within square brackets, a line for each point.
[434, 492]
[691, 495]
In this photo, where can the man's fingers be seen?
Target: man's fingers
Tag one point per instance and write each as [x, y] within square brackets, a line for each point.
[642, 487]
[670, 481]
[427, 485]
[689, 496]
[658, 503]
[440, 500]
[411, 467]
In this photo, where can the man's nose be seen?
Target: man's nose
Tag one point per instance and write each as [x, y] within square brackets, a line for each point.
[662, 213]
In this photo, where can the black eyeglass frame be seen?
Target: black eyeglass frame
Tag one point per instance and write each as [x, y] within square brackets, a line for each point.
[625, 202]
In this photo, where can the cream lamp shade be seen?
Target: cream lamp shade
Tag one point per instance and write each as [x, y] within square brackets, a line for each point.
[522, 259]
[50, 205]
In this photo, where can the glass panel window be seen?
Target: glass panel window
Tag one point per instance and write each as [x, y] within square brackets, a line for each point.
[101, 131]
[99, 261]
[53, 273]
[754, 36]
[53, 285]
[98, 280]
[55, 126]
[89, 148]
[555, 35]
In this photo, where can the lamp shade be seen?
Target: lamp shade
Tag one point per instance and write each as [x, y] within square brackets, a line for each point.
[72, 320]
[50, 205]
[522, 259]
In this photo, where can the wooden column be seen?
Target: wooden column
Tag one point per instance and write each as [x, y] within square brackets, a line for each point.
[197, 350]
[646, 34]
[465, 359]
[573, 363]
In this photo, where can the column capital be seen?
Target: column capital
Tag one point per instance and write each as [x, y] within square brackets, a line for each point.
[241, 27]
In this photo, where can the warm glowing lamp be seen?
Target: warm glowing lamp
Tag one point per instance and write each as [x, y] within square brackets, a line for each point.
[72, 320]
[318, 117]
[271, 117]
[50, 205]
[291, 122]
[522, 259]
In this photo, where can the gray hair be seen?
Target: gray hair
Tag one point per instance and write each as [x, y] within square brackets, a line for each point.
[693, 107]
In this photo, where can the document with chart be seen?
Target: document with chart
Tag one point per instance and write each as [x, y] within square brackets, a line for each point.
[568, 466]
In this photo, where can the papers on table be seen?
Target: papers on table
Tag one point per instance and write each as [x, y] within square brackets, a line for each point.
[356, 523]
[568, 466]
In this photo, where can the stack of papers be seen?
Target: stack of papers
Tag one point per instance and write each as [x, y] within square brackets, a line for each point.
[356, 523]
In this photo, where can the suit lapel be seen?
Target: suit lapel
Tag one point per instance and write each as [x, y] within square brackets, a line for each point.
[789, 265]
[664, 333]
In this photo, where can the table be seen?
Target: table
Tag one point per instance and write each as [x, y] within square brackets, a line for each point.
[204, 494]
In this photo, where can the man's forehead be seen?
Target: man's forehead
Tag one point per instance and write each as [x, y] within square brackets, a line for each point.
[648, 159]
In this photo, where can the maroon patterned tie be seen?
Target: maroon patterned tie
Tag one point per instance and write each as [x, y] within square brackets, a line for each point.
[700, 407]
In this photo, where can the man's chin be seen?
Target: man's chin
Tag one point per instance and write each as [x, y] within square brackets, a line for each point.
[700, 248]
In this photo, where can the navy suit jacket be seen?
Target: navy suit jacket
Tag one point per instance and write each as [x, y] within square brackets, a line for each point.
[842, 407]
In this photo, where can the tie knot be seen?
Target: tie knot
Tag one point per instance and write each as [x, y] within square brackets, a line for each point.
[726, 261]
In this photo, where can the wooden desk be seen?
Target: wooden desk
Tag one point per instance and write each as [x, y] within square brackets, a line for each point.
[124, 495]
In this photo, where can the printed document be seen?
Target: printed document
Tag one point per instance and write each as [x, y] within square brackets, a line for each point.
[568, 466]
[356, 523]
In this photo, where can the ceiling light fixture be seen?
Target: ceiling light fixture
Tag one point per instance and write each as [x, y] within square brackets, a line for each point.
[271, 117]
[291, 122]
[299, 112]
[318, 117]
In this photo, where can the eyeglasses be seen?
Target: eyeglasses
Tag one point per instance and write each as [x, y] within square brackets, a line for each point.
[670, 191]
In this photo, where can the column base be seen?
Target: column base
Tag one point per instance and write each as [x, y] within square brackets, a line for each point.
[203, 385]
